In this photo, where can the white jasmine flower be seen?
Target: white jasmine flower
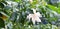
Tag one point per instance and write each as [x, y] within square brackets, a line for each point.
[35, 16]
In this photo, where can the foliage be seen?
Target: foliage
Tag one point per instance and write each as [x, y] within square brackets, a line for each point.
[15, 14]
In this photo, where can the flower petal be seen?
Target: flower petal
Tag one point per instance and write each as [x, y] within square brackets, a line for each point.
[29, 16]
[38, 14]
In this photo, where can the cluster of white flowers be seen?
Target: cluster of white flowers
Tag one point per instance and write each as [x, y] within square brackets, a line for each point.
[35, 16]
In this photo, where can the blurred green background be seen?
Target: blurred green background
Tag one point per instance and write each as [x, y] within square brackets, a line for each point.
[13, 14]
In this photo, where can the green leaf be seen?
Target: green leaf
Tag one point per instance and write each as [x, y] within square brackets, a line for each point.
[1, 5]
[54, 8]
[17, 0]
[2, 25]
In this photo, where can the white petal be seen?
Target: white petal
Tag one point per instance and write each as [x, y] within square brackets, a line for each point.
[38, 20]
[29, 16]
[38, 14]
[33, 20]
